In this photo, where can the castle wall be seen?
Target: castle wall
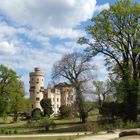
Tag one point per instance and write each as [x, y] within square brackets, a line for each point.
[36, 88]
[61, 94]
[55, 96]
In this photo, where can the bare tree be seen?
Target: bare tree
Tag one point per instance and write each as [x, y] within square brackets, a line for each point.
[77, 70]
[103, 91]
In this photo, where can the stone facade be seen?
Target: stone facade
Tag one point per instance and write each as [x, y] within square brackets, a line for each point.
[67, 94]
[60, 94]
[55, 96]
[36, 88]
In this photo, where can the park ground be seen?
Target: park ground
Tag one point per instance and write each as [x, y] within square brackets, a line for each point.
[66, 129]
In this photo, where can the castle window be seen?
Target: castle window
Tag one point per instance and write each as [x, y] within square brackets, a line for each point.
[37, 99]
[33, 87]
[57, 99]
[37, 81]
[57, 106]
[32, 106]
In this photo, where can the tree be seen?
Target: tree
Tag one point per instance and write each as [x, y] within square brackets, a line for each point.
[103, 91]
[65, 111]
[47, 107]
[116, 33]
[9, 82]
[47, 123]
[18, 101]
[36, 114]
[77, 70]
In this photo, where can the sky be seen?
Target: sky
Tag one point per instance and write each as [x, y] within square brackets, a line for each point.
[37, 33]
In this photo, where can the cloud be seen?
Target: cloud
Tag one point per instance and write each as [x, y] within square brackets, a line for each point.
[99, 8]
[7, 48]
[55, 17]
[27, 27]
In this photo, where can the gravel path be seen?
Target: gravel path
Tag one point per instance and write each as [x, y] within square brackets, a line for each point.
[94, 137]
[100, 137]
[44, 135]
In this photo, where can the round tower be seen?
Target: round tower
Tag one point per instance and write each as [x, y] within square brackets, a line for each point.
[36, 88]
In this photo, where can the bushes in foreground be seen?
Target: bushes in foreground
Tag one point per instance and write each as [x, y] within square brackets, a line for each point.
[102, 125]
[64, 111]
[47, 123]
[8, 132]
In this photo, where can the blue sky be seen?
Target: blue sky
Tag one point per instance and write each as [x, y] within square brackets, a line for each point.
[38, 32]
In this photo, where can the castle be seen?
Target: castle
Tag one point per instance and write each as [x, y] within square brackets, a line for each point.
[60, 94]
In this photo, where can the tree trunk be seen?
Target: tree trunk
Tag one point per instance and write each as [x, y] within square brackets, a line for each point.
[79, 100]
[15, 116]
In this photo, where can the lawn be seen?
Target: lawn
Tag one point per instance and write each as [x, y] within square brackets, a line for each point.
[64, 125]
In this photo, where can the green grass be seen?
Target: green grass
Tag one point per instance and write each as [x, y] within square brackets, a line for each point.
[64, 125]
[129, 138]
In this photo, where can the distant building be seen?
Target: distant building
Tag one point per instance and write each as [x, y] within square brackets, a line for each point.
[60, 94]
[55, 96]
[67, 93]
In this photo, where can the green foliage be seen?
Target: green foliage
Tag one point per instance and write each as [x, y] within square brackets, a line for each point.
[92, 126]
[47, 123]
[36, 114]
[15, 132]
[64, 111]
[116, 35]
[47, 107]
[8, 132]
[117, 124]
[11, 95]
[18, 101]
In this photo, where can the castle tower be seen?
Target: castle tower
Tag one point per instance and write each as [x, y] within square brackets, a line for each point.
[36, 88]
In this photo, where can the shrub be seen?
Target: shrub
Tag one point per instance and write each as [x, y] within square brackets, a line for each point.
[2, 131]
[6, 132]
[47, 123]
[36, 114]
[47, 107]
[92, 126]
[15, 132]
[65, 111]
[119, 123]
[10, 132]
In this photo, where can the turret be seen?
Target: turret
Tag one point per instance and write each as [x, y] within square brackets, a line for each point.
[36, 88]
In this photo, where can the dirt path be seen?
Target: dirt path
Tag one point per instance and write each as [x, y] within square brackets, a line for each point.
[100, 137]
[44, 135]
[94, 137]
